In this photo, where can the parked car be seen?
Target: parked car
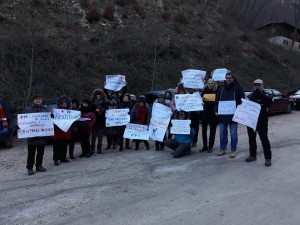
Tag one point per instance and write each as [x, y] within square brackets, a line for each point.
[151, 96]
[281, 104]
[296, 99]
[8, 121]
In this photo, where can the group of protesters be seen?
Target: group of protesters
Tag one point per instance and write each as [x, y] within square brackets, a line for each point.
[90, 132]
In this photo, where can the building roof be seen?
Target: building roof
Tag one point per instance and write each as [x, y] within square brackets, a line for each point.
[289, 25]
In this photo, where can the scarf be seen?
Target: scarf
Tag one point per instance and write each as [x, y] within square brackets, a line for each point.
[141, 113]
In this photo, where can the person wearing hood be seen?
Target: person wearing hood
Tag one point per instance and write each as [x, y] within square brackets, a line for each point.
[61, 139]
[112, 132]
[182, 142]
[168, 98]
[99, 101]
[125, 103]
[230, 91]
[36, 145]
[140, 114]
[86, 127]
[208, 115]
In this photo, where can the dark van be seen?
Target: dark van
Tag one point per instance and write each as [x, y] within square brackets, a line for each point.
[8, 121]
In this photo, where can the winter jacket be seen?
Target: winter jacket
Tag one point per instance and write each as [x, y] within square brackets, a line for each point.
[208, 113]
[134, 115]
[229, 92]
[261, 98]
[87, 126]
[99, 107]
[185, 138]
[36, 140]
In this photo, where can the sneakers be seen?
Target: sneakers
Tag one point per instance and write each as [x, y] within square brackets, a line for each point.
[268, 163]
[56, 163]
[40, 169]
[30, 172]
[232, 155]
[250, 159]
[210, 150]
[221, 153]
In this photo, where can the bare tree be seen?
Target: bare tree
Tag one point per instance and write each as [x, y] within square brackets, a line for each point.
[295, 5]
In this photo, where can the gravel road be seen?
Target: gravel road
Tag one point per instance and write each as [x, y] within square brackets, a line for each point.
[149, 187]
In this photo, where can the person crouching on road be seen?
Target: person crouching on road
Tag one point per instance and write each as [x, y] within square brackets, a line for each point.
[86, 127]
[182, 142]
[61, 139]
[259, 96]
[140, 114]
[36, 145]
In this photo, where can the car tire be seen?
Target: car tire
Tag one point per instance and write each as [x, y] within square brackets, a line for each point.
[289, 109]
[9, 143]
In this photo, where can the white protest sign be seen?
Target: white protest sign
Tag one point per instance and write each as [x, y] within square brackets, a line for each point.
[117, 117]
[193, 78]
[35, 125]
[159, 122]
[136, 131]
[247, 113]
[227, 107]
[189, 102]
[181, 127]
[64, 118]
[219, 74]
[115, 82]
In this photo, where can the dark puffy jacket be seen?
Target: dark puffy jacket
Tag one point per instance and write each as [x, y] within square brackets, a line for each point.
[36, 140]
[99, 107]
[229, 93]
[261, 98]
[208, 113]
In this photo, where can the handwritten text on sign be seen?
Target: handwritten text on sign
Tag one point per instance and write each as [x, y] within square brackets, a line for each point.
[219, 74]
[159, 122]
[64, 118]
[226, 107]
[115, 82]
[193, 78]
[247, 113]
[189, 102]
[181, 127]
[136, 131]
[35, 125]
[117, 117]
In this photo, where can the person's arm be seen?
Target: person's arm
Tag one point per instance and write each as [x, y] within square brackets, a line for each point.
[173, 105]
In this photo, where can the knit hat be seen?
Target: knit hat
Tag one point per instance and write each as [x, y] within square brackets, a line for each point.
[180, 88]
[161, 96]
[36, 96]
[86, 101]
[142, 98]
[113, 97]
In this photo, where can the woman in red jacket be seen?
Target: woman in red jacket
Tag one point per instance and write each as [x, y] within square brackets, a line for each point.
[86, 127]
[61, 139]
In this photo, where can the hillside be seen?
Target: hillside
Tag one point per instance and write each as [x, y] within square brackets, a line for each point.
[69, 46]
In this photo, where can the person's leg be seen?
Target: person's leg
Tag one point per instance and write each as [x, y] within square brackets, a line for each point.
[137, 145]
[195, 125]
[252, 142]
[94, 136]
[204, 134]
[121, 138]
[109, 141]
[212, 133]
[223, 136]
[147, 145]
[181, 150]
[171, 143]
[100, 139]
[64, 149]
[40, 155]
[263, 134]
[156, 145]
[127, 143]
[234, 136]
[30, 156]
[56, 148]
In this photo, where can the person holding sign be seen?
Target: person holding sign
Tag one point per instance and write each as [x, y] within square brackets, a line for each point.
[61, 139]
[182, 142]
[259, 96]
[140, 114]
[228, 97]
[180, 91]
[208, 116]
[36, 145]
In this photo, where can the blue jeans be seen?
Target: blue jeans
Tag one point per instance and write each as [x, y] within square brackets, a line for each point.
[224, 136]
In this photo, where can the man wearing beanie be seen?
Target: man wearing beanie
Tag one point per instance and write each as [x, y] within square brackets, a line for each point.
[259, 96]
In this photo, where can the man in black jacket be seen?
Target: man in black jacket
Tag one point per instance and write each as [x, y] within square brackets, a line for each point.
[259, 96]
